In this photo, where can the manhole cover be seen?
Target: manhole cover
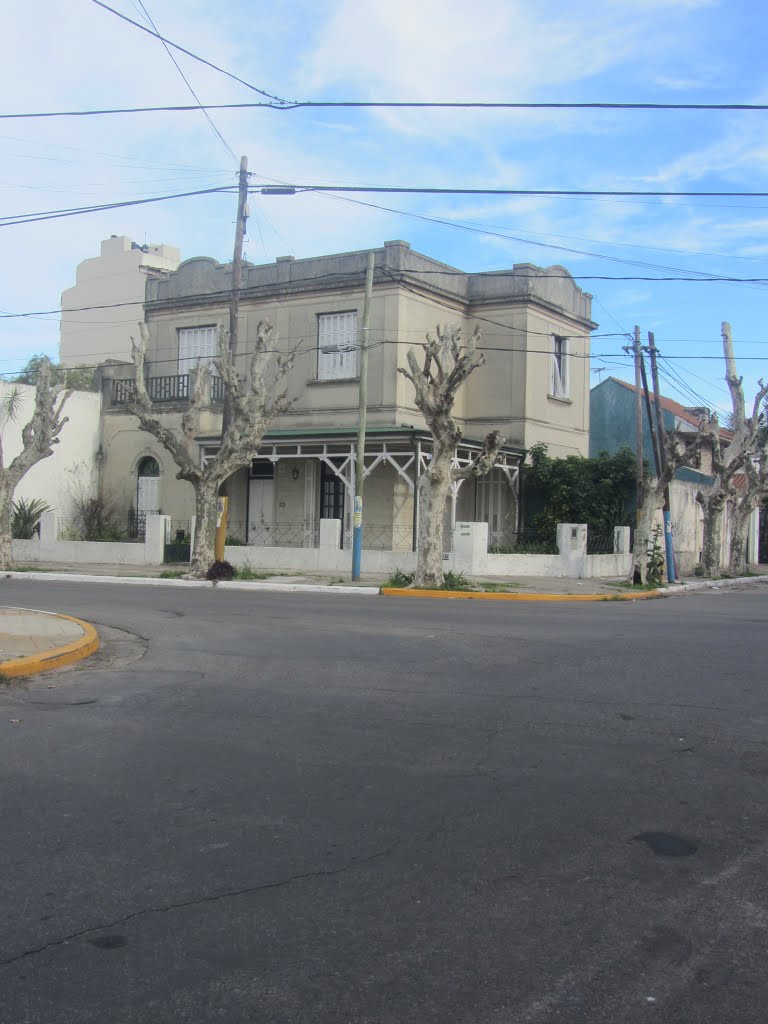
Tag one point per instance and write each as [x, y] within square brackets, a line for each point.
[664, 844]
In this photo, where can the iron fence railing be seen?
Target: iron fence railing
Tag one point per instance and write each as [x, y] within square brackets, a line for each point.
[169, 388]
[179, 531]
[601, 542]
[275, 534]
[387, 537]
[136, 524]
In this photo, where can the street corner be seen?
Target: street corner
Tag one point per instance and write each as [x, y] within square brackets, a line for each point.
[33, 641]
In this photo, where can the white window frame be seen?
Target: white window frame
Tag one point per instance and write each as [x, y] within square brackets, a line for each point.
[559, 377]
[197, 347]
[337, 346]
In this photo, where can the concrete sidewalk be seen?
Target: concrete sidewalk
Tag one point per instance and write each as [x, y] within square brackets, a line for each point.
[33, 641]
[555, 585]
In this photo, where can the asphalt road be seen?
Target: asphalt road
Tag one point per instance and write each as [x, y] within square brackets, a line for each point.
[360, 810]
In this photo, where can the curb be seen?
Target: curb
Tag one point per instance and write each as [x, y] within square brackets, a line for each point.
[155, 581]
[685, 588]
[469, 595]
[54, 657]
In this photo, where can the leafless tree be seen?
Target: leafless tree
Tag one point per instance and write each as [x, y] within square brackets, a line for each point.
[446, 366]
[38, 438]
[254, 403]
[743, 504]
[728, 460]
[681, 451]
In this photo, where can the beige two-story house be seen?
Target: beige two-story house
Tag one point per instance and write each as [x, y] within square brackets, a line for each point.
[534, 387]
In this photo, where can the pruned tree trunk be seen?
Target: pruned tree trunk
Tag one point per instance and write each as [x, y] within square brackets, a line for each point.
[654, 498]
[743, 448]
[252, 405]
[6, 543]
[38, 437]
[740, 518]
[744, 504]
[206, 506]
[712, 539]
[432, 497]
[447, 364]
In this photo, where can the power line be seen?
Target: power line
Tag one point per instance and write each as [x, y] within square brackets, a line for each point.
[186, 81]
[32, 218]
[194, 56]
[280, 105]
[434, 191]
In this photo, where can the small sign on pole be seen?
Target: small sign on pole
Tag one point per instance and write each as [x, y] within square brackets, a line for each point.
[221, 529]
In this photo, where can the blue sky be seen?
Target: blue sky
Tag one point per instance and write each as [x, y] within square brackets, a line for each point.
[78, 56]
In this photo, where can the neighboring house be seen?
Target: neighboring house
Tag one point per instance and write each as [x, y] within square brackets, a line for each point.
[612, 424]
[72, 470]
[99, 314]
[534, 388]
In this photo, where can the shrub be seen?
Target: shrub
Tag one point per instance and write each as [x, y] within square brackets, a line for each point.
[219, 571]
[456, 581]
[400, 579]
[25, 518]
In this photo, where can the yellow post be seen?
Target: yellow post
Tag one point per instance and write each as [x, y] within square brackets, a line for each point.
[221, 529]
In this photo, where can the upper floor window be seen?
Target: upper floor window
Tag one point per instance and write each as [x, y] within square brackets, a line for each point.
[337, 346]
[558, 367]
[197, 347]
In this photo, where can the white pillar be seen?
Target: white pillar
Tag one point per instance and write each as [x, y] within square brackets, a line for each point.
[470, 547]
[157, 528]
[330, 534]
[572, 547]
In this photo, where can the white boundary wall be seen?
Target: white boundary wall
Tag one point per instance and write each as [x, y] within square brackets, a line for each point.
[48, 547]
[469, 555]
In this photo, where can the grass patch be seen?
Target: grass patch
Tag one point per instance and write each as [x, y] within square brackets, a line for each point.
[32, 568]
[247, 572]
[399, 579]
[626, 585]
[171, 574]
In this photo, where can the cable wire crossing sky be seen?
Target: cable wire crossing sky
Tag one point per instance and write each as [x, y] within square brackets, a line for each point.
[499, 133]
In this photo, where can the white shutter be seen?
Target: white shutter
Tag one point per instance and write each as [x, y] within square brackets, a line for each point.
[197, 347]
[337, 344]
[558, 372]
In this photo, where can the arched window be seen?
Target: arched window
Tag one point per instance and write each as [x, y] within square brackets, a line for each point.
[148, 466]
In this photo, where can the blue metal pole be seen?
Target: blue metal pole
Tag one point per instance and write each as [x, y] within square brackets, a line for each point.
[357, 543]
[668, 547]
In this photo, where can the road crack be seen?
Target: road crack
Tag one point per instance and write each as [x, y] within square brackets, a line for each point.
[201, 900]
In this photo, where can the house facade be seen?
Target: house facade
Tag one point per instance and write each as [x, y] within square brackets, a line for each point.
[534, 387]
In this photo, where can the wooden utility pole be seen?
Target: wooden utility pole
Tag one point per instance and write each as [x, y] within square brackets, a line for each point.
[650, 416]
[637, 349]
[667, 508]
[237, 274]
[357, 537]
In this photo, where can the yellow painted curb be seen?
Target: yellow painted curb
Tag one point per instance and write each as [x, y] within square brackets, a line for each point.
[481, 595]
[55, 657]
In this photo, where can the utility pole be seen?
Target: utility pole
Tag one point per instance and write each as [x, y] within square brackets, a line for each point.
[637, 349]
[667, 509]
[237, 273]
[357, 539]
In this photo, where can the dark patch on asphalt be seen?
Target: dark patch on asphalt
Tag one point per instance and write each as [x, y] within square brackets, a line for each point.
[627, 718]
[665, 943]
[664, 844]
[109, 941]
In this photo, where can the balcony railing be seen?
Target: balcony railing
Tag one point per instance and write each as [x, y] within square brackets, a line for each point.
[170, 388]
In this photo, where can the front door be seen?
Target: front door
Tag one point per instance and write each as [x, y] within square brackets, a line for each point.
[261, 505]
[332, 497]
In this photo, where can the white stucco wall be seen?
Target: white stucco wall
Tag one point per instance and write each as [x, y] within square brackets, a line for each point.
[73, 462]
